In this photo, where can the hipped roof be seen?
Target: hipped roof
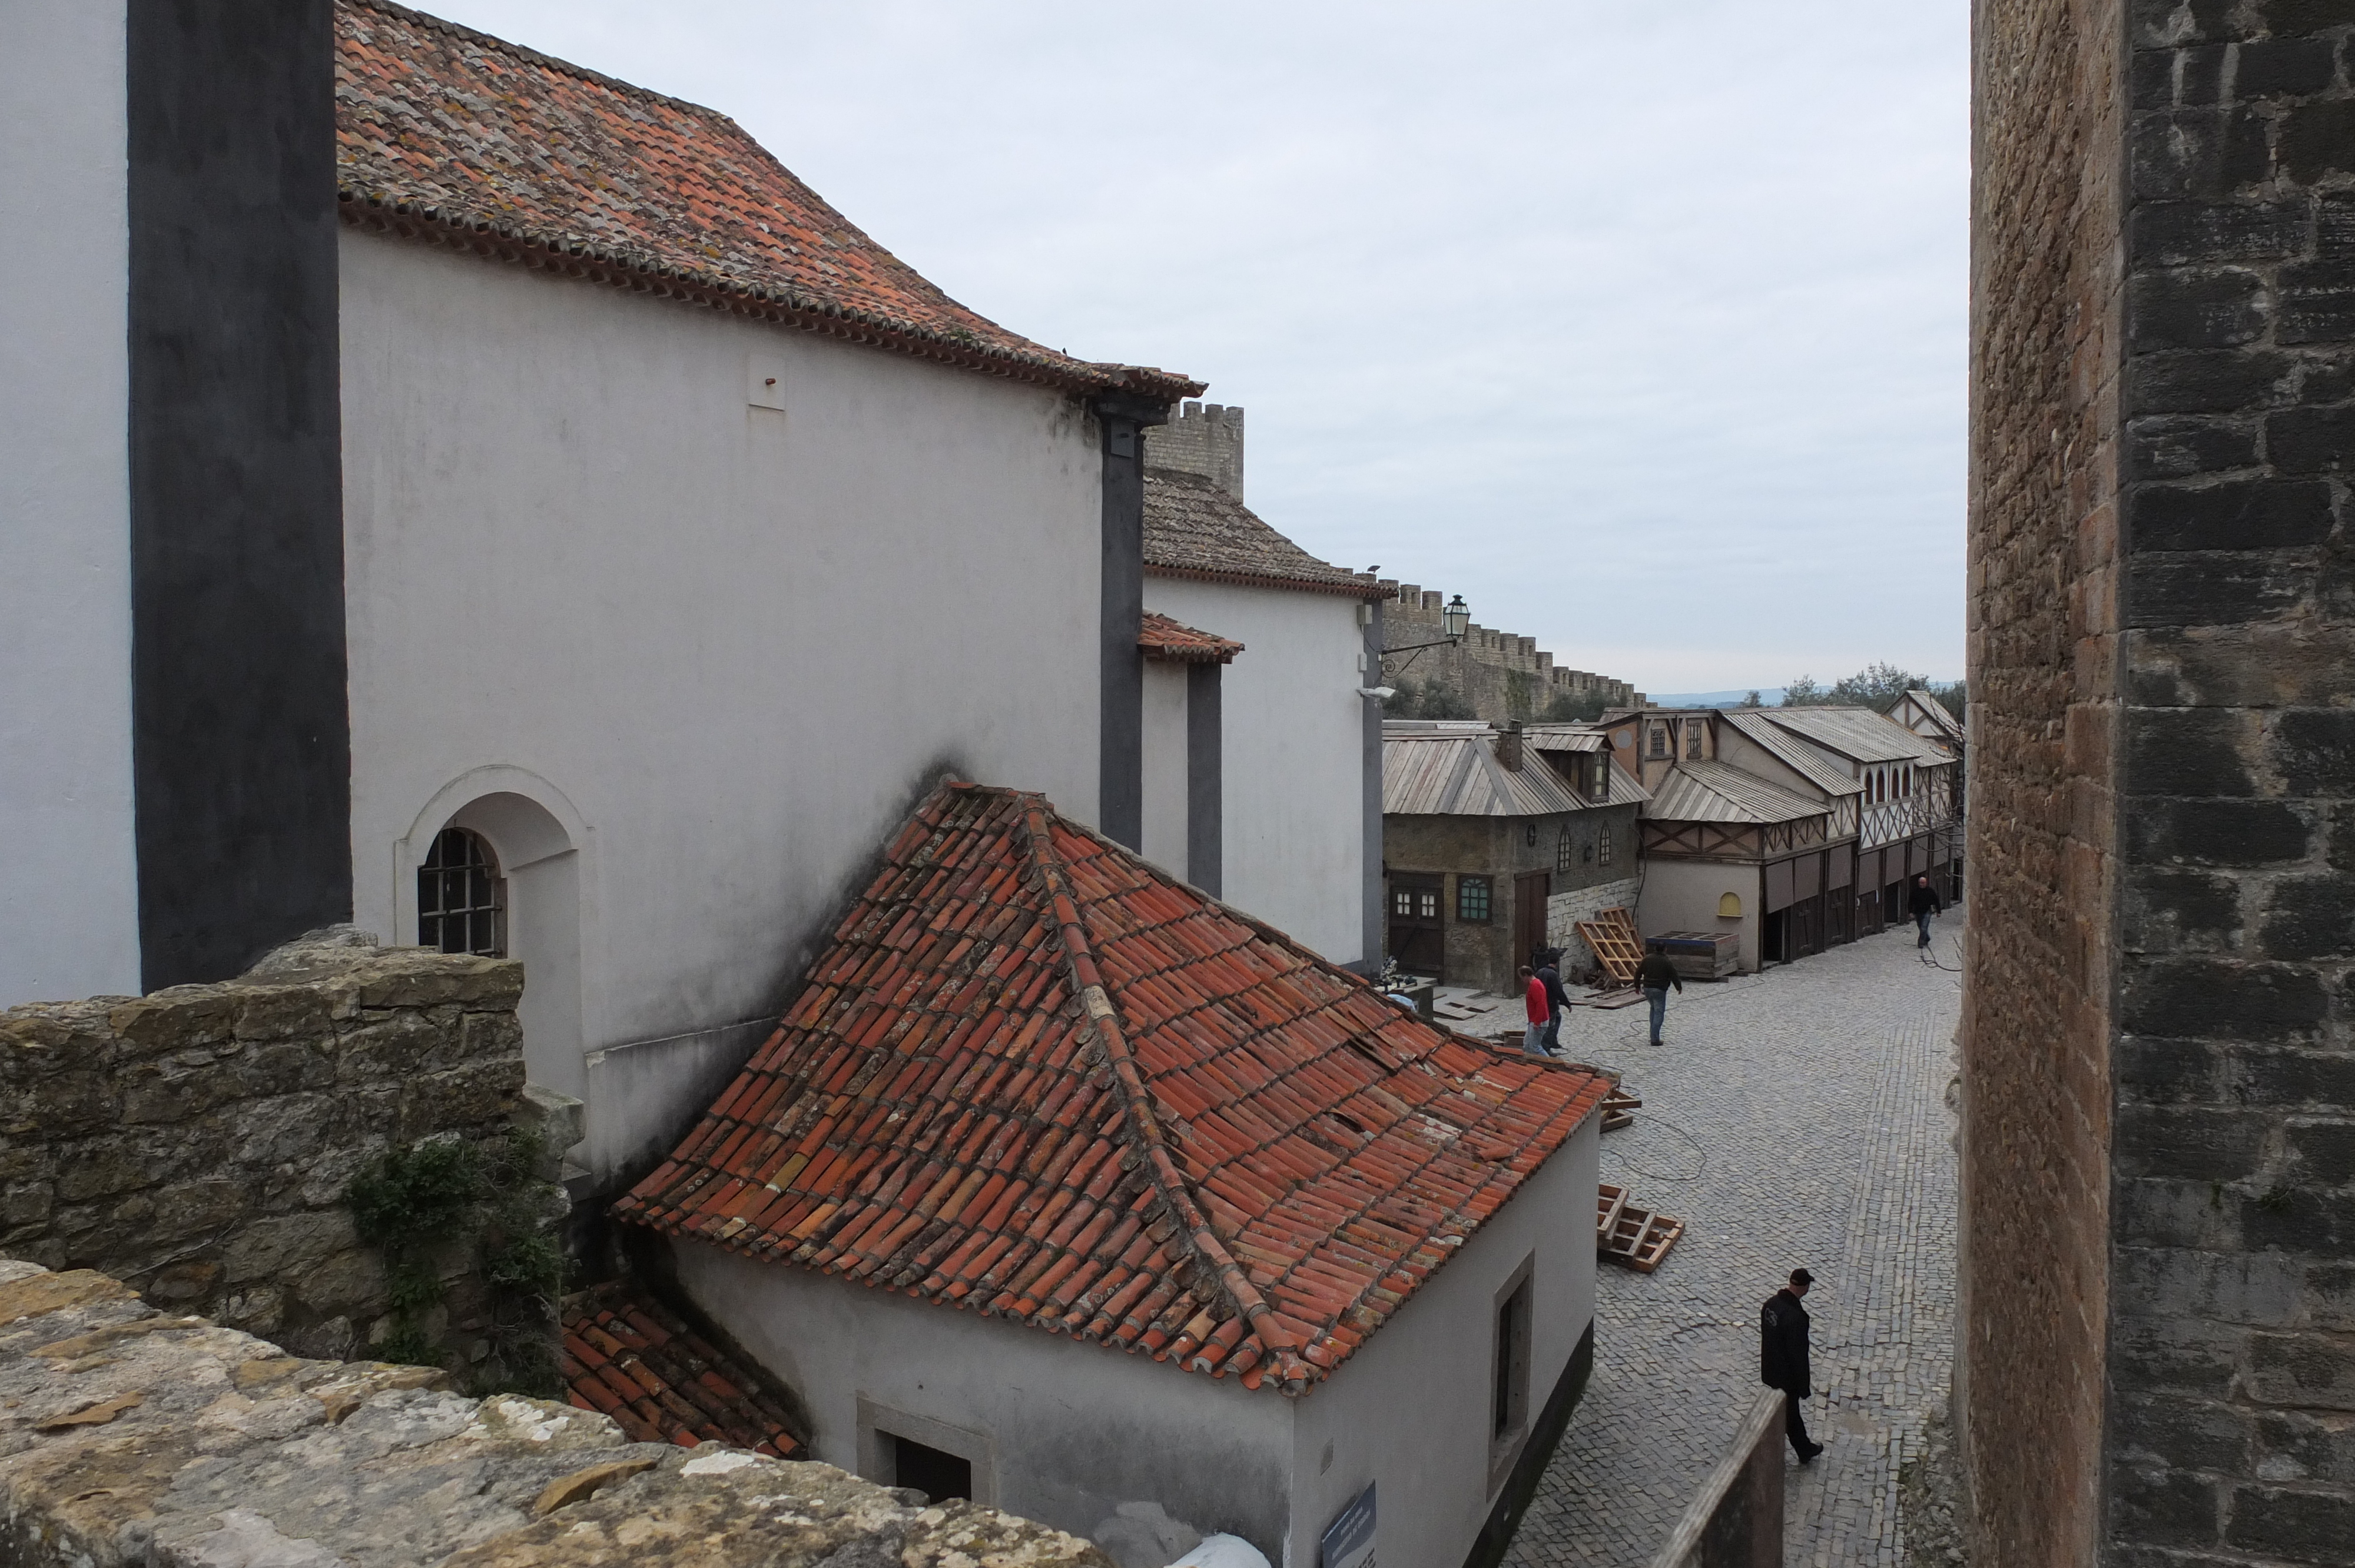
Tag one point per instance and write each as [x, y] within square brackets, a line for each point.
[446, 133]
[1705, 791]
[1443, 774]
[1036, 1078]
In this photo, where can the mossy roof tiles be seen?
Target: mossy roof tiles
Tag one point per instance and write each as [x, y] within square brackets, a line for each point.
[451, 134]
[1129, 1114]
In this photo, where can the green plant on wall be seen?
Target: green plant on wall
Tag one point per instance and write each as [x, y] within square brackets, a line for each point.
[418, 1204]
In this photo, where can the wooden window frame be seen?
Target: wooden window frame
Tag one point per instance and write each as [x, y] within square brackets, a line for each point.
[1486, 888]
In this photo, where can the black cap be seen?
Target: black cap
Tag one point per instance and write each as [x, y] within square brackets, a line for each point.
[1801, 1277]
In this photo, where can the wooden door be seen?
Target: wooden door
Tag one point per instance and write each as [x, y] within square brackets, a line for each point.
[1531, 890]
[1418, 942]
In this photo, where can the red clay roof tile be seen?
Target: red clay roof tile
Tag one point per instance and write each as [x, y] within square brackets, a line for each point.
[630, 1358]
[453, 135]
[1166, 640]
[1244, 1162]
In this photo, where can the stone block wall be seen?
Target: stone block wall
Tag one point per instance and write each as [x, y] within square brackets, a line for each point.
[2231, 1307]
[2042, 630]
[1565, 910]
[130, 1437]
[1504, 677]
[2158, 1314]
[198, 1142]
[1205, 440]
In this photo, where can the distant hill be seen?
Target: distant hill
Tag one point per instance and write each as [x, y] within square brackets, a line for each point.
[1770, 695]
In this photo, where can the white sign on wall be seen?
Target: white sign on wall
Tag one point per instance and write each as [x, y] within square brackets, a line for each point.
[1350, 1540]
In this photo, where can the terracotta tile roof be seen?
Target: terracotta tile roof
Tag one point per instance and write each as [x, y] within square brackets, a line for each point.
[1162, 638]
[1194, 529]
[450, 134]
[1033, 1078]
[627, 1355]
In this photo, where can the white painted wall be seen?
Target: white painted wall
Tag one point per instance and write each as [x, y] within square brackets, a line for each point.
[1410, 1411]
[1164, 767]
[1292, 730]
[1682, 896]
[68, 893]
[1072, 1429]
[726, 646]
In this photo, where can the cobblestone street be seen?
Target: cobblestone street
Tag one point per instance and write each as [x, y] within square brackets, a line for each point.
[1797, 1117]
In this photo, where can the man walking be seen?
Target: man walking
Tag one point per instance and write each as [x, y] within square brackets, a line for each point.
[1923, 901]
[1538, 1011]
[1783, 1357]
[1557, 1001]
[1656, 974]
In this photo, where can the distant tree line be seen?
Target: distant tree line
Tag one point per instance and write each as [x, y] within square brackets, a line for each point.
[1876, 686]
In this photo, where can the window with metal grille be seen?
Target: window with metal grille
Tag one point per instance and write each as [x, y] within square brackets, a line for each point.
[1566, 850]
[1602, 845]
[1659, 740]
[461, 897]
[1473, 900]
[1692, 737]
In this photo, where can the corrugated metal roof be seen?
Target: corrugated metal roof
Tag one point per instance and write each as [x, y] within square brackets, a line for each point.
[1830, 777]
[1442, 775]
[1857, 733]
[1721, 792]
[1937, 714]
[1558, 739]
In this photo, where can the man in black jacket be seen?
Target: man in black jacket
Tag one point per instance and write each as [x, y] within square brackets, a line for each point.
[1783, 1357]
[1656, 974]
[1550, 972]
[1922, 901]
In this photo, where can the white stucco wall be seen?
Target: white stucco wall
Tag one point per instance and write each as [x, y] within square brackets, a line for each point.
[1164, 767]
[68, 895]
[725, 646]
[1683, 895]
[1292, 729]
[1410, 1411]
[1071, 1429]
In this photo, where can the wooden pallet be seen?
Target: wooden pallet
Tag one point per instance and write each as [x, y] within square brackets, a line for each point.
[1608, 1201]
[1632, 1238]
[1615, 945]
[1619, 1108]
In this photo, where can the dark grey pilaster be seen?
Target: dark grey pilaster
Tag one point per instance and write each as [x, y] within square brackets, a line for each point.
[240, 733]
[1120, 780]
[1371, 801]
[1204, 777]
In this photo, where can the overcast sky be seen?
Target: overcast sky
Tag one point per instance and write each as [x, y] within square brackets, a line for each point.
[1639, 326]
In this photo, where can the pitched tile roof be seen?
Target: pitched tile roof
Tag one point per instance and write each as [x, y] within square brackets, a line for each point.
[1162, 638]
[630, 1357]
[1704, 791]
[1457, 775]
[451, 134]
[1033, 1078]
[1194, 529]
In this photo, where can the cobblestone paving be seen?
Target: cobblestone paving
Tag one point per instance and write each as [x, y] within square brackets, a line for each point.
[1797, 1117]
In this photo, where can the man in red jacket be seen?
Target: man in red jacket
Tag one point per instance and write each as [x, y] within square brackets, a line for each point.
[1539, 1011]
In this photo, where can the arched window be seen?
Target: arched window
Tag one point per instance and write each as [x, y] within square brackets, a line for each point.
[1604, 843]
[1566, 850]
[461, 897]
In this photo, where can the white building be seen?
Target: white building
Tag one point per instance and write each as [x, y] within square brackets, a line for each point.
[1301, 745]
[1067, 1189]
[540, 524]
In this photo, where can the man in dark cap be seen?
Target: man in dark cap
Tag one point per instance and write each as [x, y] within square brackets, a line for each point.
[1783, 1357]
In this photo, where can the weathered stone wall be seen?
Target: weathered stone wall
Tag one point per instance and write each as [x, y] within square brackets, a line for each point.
[198, 1142]
[2045, 299]
[2160, 1075]
[1504, 677]
[130, 1437]
[2232, 1428]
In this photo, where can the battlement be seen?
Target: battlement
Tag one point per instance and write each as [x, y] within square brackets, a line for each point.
[1205, 439]
[1413, 614]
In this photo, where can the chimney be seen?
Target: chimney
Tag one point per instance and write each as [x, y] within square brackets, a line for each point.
[1508, 748]
[1205, 440]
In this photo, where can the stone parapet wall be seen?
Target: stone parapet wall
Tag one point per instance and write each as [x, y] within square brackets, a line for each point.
[2232, 1302]
[133, 1437]
[198, 1142]
[1504, 677]
[2042, 630]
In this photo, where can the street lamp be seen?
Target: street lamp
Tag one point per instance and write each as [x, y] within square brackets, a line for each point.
[1455, 617]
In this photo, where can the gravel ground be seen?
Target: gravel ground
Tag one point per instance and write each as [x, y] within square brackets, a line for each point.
[1797, 1117]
